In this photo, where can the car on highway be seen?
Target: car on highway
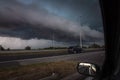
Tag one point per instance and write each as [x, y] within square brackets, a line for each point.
[75, 49]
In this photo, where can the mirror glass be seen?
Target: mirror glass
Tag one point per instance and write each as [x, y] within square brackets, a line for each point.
[87, 69]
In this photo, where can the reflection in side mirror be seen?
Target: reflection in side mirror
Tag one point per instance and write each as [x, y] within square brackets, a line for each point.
[88, 69]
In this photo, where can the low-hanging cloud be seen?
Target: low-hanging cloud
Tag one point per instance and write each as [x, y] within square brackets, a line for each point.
[17, 43]
[28, 22]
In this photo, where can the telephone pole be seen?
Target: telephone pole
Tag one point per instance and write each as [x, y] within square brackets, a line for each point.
[53, 40]
[80, 40]
[80, 35]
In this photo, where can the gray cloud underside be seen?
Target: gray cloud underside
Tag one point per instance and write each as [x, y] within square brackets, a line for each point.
[27, 22]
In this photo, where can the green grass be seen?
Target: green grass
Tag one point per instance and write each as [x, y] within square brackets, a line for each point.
[17, 53]
[38, 71]
[41, 52]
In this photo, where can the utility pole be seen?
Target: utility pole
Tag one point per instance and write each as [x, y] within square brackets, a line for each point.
[80, 40]
[80, 35]
[53, 40]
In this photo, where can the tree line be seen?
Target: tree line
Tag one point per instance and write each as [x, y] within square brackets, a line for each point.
[29, 48]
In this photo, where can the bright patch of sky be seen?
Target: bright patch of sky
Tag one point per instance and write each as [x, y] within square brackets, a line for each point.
[10, 42]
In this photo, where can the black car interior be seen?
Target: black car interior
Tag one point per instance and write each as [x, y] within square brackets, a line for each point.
[110, 12]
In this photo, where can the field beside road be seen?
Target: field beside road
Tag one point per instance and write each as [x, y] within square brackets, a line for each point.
[51, 51]
[28, 54]
[38, 71]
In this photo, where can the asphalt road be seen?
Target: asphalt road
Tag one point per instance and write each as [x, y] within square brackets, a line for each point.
[93, 57]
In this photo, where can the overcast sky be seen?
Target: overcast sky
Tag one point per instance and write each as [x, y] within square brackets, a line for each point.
[36, 22]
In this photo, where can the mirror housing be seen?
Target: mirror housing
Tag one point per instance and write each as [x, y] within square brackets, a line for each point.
[88, 69]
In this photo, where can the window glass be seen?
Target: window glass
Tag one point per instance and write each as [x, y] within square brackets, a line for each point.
[47, 38]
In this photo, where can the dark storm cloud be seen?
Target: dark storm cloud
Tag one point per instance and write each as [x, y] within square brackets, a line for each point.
[38, 20]
[85, 11]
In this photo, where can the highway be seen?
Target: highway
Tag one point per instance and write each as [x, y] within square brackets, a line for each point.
[93, 57]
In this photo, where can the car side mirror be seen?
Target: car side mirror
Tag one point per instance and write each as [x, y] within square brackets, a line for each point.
[88, 69]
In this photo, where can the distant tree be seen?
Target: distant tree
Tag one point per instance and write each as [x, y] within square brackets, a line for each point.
[78, 45]
[39, 48]
[1, 48]
[49, 48]
[8, 49]
[27, 48]
[84, 47]
[103, 46]
[94, 46]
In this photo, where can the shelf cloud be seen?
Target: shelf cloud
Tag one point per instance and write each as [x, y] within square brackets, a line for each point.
[27, 20]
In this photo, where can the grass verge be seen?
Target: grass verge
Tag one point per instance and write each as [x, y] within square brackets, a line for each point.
[38, 71]
[41, 52]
